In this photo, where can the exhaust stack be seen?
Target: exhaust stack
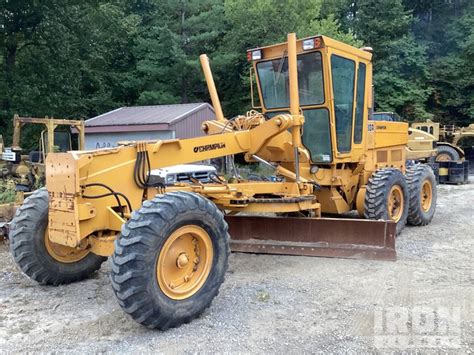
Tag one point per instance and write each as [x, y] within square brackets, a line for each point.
[206, 68]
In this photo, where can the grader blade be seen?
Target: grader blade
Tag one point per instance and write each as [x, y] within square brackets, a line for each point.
[326, 237]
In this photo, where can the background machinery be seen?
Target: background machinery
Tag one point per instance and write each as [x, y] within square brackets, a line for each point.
[448, 136]
[169, 245]
[25, 173]
[421, 145]
[29, 169]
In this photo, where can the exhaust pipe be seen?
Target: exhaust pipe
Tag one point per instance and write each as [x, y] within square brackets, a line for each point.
[206, 68]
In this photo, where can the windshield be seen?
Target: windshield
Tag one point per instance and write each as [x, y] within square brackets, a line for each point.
[62, 141]
[273, 76]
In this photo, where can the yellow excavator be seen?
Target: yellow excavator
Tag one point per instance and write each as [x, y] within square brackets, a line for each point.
[169, 245]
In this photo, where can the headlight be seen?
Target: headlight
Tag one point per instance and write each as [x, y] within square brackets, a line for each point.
[254, 55]
[312, 43]
[308, 44]
[170, 178]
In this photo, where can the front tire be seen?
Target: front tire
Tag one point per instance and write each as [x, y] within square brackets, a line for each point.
[42, 260]
[422, 187]
[170, 259]
[386, 197]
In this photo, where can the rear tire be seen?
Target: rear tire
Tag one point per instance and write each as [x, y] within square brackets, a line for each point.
[422, 187]
[447, 153]
[147, 274]
[29, 247]
[386, 197]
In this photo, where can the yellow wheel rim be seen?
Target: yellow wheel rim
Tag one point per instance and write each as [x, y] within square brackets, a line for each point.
[443, 157]
[395, 203]
[62, 253]
[184, 262]
[426, 195]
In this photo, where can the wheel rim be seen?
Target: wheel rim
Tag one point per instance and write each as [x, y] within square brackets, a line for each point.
[184, 262]
[62, 253]
[395, 203]
[426, 195]
[443, 157]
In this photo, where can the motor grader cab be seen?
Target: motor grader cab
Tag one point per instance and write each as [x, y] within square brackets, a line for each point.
[343, 148]
[169, 245]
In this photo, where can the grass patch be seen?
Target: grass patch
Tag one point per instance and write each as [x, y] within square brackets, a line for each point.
[7, 191]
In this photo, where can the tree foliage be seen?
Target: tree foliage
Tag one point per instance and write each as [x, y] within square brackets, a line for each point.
[77, 59]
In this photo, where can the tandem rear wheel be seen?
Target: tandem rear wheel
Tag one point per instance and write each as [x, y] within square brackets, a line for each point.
[387, 197]
[170, 259]
[409, 199]
[422, 187]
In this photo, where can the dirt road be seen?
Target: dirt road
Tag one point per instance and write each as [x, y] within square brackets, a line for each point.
[424, 300]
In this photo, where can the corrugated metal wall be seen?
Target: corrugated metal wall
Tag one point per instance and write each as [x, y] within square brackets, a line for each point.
[186, 128]
[104, 140]
[191, 126]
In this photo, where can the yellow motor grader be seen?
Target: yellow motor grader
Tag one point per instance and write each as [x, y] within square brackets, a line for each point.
[169, 245]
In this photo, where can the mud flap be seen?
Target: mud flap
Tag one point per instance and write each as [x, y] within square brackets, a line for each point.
[326, 237]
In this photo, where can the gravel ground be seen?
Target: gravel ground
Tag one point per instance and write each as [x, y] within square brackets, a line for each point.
[277, 303]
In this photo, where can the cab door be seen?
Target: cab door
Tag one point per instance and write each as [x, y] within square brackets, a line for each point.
[349, 82]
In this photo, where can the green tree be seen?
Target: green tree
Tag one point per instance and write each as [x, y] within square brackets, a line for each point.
[19, 21]
[72, 65]
[256, 23]
[170, 43]
[400, 63]
[445, 28]
[453, 72]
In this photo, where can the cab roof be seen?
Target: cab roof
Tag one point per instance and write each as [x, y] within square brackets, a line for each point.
[278, 50]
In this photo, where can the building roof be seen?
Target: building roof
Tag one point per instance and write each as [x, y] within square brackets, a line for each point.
[146, 115]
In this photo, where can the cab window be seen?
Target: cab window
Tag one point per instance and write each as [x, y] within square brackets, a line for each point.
[317, 135]
[359, 115]
[343, 74]
[274, 81]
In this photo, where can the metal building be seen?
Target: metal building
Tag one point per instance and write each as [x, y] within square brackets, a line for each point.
[147, 123]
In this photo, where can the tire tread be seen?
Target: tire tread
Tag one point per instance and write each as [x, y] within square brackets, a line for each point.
[137, 237]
